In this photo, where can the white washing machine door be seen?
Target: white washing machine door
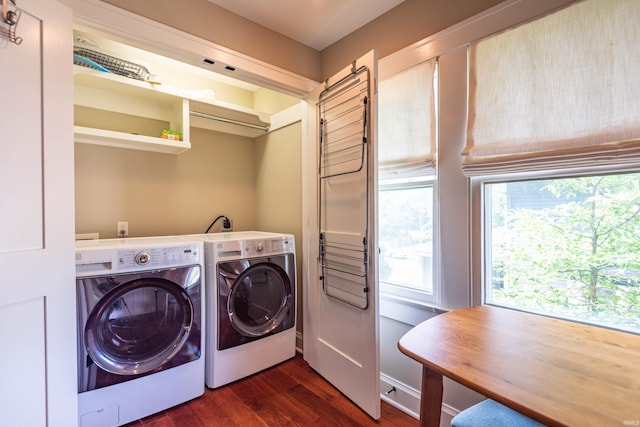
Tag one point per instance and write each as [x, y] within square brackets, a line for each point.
[138, 326]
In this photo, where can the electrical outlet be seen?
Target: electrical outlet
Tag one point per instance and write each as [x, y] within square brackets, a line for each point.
[123, 228]
[229, 228]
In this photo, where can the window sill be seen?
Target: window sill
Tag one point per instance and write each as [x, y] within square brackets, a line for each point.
[407, 311]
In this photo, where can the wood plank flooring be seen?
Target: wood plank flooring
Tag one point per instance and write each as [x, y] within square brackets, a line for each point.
[289, 394]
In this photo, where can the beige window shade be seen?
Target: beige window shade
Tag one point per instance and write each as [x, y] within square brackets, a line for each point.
[559, 92]
[406, 122]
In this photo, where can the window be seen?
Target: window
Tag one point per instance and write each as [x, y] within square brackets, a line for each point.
[407, 129]
[553, 122]
[406, 235]
[566, 246]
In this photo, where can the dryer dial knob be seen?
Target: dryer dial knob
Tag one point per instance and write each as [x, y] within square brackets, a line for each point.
[142, 258]
[260, 247]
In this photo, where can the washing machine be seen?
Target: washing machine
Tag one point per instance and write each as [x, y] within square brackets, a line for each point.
[251, 303]
[141, 327]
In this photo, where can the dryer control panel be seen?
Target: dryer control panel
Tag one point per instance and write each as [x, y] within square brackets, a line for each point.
[248, 248]
[265, 247]
[269, 246]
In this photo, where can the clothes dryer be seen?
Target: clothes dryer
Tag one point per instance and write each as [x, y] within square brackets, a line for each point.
[251, 303]
[140, 327]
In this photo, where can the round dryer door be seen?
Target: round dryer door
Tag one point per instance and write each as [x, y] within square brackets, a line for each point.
[259, 299]
[138, 326]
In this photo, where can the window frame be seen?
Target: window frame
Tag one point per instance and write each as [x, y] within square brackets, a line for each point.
[480, 238]
[404, 293]
[413, 297]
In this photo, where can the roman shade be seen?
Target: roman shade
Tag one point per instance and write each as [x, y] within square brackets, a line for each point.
[559, 92]
[406, 122]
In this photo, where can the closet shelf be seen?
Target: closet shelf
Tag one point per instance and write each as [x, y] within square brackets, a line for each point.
[120, 112]
[122, 140]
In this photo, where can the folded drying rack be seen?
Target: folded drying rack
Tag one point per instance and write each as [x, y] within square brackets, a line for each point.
[343, 195]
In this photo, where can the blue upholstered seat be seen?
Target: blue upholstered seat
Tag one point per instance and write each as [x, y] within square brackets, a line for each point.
[489, 413]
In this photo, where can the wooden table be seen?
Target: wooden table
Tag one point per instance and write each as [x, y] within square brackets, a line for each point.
[554, 371]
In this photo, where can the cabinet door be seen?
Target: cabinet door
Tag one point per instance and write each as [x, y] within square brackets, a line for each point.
[341, 333]
[37, 289]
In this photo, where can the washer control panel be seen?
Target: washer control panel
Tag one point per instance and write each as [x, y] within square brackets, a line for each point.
[143, 258]
[112, 256]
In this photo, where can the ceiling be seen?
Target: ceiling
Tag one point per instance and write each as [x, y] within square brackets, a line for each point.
[315, 23]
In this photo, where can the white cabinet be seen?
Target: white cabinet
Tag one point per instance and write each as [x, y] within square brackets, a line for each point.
[122, 112]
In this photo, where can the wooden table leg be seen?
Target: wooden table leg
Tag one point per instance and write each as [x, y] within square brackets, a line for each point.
[430, 398]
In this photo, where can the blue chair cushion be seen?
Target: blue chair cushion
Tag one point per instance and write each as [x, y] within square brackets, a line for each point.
[489, 413]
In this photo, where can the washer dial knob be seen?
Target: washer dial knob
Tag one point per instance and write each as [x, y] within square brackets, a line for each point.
[142, 258]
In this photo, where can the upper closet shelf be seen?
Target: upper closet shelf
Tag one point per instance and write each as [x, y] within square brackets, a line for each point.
[118, 111]
[223, 117]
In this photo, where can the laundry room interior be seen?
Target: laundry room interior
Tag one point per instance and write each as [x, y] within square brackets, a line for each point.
[210, 155]
[255, 180]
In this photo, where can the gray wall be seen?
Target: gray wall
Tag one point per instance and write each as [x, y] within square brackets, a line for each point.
[407, 23]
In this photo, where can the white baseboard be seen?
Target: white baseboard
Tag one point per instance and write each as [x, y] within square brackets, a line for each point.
[407, 399]
[400, 395]
[447, 414]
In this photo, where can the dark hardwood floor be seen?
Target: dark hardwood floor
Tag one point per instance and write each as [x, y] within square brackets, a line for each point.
[289, 394]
